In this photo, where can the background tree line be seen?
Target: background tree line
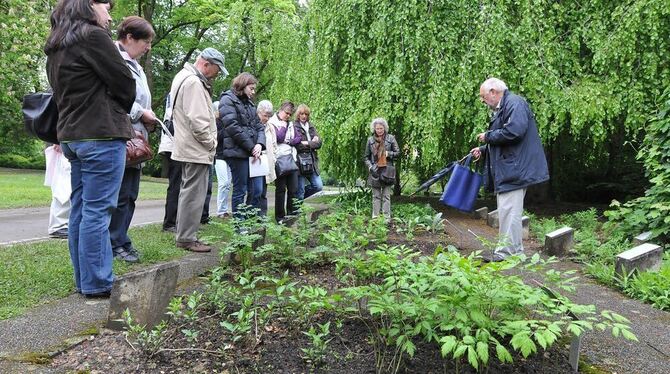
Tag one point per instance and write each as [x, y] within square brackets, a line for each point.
[593, 73]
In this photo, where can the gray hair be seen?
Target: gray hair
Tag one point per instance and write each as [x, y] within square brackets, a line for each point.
[265, 106]
[379, 121]
[494, 84]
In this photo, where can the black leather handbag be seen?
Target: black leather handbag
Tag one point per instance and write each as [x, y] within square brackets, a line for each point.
[285, 165]
[387, 175]
[40, 116]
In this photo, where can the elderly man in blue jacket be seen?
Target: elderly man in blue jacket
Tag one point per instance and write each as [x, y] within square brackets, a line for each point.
[514, 160]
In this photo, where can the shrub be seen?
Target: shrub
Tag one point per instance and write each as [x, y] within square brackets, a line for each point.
[22, 162]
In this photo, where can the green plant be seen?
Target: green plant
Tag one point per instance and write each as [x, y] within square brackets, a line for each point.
[651, 211]
[150, 341]
[469, 310]
[317, 350]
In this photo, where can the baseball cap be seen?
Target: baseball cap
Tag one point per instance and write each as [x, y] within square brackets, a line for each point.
[215, 57]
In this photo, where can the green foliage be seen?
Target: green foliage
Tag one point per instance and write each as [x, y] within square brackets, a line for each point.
[464, 307]
[650, 212]
[420, 66]
[317, 351]
[33, 161]
[21, 67]
[149, 340]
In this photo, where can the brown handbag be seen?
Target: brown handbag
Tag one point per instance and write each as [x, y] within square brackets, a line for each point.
[138, 150]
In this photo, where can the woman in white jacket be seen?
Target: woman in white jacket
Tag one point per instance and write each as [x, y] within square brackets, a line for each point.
[265, 111]
[284, 145]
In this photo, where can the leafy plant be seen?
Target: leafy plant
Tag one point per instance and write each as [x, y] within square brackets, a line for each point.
[318, 348]
[468, 309]
[151, 340]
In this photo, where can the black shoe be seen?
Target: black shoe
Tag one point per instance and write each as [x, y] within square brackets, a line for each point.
[99, 295]
[126, 254]
[59, 234]
[205, 221]
[171, 229]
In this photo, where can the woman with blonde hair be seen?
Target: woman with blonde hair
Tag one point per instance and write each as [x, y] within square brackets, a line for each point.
[381, 150]
[308, 159]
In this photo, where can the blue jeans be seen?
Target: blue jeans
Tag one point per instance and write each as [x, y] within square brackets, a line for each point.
[97, 170]
[315, 185]
[125, 208]
[243, 186]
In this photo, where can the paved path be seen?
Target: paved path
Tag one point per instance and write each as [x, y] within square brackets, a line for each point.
[30, 224]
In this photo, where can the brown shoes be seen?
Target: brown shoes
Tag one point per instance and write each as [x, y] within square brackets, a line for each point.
[196, 246]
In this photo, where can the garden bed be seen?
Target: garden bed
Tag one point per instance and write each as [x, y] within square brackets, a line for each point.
[347, 295]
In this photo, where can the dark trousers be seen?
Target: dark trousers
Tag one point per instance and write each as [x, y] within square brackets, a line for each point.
[264, 199]
[125, 208]
[172, 197]
[204, 218]
[243, 186]
[284, 203]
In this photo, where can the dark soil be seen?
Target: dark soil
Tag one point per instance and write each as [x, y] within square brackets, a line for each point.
[279, 347]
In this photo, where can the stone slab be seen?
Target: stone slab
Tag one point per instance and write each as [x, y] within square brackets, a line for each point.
[145, 293]
[525, 226]
[642, 238]
[573, 358]
[481, 213]
[644, 257]
[559, 242]
[492, 219]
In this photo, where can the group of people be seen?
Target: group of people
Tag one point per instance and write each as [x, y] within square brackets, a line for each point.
[104, 100]
[229, 136]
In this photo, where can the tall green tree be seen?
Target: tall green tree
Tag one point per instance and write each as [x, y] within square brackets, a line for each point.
[591, 72]
[21, 67]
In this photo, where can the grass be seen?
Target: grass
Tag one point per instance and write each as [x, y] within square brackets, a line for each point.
[26, 189]
[36, 273]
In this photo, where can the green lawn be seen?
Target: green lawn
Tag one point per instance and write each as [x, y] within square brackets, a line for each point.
[25, 188]
[36, 273]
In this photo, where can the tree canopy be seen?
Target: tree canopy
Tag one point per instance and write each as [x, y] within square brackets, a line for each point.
[593, 72]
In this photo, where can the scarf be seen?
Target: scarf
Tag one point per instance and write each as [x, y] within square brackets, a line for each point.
[379, 150]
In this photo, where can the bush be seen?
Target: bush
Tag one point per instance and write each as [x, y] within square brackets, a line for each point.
[650, 212]
[22, 162]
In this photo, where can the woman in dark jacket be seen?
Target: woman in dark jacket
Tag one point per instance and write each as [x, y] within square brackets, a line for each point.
[94, 91]
[307, 147]
[380, 151]
[244, 138]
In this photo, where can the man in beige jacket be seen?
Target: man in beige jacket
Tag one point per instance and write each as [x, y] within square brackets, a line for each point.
[194, 141]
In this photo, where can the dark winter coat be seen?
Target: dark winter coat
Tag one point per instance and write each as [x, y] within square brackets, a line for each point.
[243, 128]
[311, 147]
[514, 155]
[93, 88]
[220, 135]
[370, 159]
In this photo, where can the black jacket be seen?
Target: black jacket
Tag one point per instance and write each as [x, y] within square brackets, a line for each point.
[93, 88]
[514, 155]
[243, 128]
[311, 147]
[220, 135]
[370, 159]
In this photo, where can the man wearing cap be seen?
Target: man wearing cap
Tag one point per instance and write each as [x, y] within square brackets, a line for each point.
[194, 141]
